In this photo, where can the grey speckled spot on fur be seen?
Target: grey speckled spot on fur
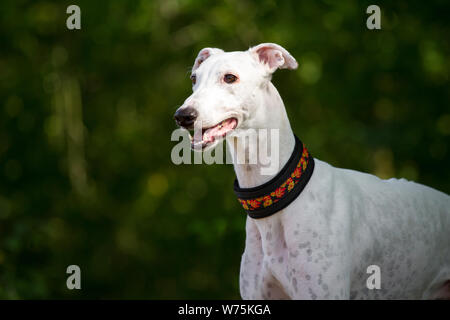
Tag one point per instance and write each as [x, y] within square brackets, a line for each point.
[293, 254]
[288, 275]
[269, 236]
[313, 295]
[325, 287]
[309, 251]
[294, 282]
[308, 277]
[280, 260]
[314, 234]
[304, 245]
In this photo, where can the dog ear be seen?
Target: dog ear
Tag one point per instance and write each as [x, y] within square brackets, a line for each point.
[204, 54]
[273, 57]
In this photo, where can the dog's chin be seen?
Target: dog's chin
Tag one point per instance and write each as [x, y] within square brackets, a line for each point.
[209, 137]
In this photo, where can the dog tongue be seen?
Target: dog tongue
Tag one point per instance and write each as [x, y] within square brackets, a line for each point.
[219, 130]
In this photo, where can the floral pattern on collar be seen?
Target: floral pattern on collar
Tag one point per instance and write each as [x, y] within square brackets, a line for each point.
[283, 190]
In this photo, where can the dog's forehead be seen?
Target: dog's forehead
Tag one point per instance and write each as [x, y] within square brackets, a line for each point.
[228, 61]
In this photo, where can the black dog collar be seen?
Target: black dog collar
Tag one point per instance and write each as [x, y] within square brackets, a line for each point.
[276, 194]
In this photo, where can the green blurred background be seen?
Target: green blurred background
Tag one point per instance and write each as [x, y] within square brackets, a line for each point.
[86, 117]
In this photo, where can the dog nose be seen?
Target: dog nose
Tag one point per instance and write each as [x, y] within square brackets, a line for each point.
[185, 117]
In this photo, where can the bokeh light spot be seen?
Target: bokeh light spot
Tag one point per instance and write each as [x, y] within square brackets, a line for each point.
[157, 184]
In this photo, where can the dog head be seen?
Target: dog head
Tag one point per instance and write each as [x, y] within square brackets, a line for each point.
[228, 88]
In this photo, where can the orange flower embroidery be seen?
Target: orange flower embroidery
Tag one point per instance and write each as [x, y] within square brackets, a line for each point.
[267, 201]
[244, 204]
[291, 186]
[305, 153]
[297, 173]
[255, 204]
[279, 192]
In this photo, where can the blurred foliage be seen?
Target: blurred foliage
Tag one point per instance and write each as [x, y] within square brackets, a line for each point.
[86, 118]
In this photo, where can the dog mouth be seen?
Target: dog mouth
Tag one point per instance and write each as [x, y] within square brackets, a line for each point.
[207, 136]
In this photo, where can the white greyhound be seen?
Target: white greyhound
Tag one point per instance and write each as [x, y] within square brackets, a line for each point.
[321, 241]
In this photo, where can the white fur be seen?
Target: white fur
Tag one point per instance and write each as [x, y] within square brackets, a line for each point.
[320, 246]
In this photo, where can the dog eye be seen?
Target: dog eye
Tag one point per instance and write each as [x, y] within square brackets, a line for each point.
[193, 78]
[229, 78]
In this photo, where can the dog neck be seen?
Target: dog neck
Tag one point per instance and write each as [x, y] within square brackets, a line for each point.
[275, 117]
